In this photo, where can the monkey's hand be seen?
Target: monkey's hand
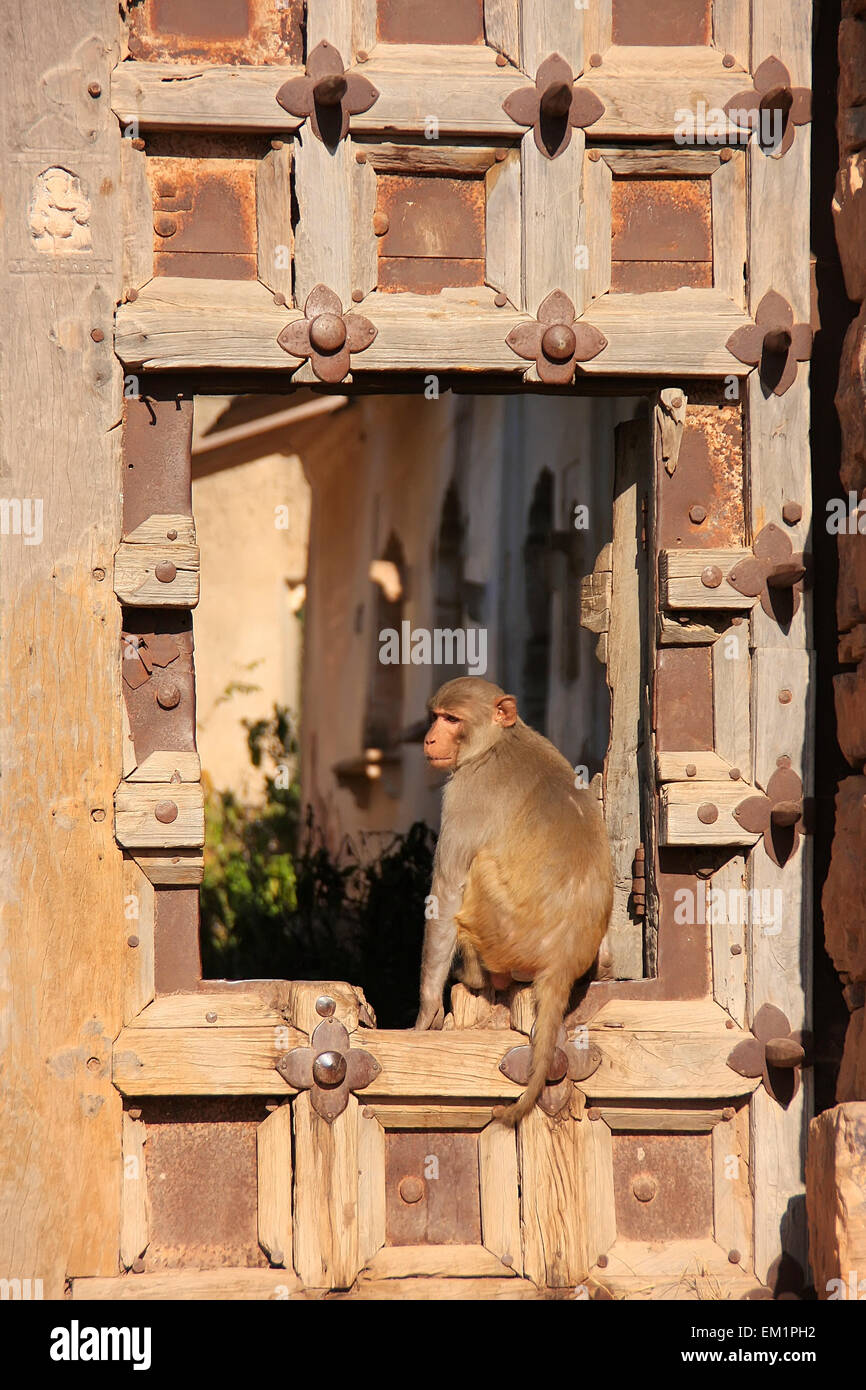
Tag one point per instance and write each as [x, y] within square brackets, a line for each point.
[429, 1016]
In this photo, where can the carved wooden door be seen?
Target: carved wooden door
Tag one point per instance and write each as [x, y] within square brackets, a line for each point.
[546, 197]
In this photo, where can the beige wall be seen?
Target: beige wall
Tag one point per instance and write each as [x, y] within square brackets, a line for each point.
[376, 468]
[382, 468]
[244, 626]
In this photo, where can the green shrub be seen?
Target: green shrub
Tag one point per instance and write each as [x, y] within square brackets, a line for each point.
[275, 903]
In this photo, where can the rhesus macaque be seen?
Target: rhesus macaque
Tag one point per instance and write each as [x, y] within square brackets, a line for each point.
[522, 880]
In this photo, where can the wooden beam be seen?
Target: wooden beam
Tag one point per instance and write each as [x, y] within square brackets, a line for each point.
[192, 1284]
[504, 259]
[134, 1213]
[553, 1199]
[500, 1195]
[60, 692]
[371, 1186]
[274, 1158]
[178, 324]
[681, 584]
[435, 1261]
[626, 675]
[551, 199]
[274, 219]
[681, 824]
[138, 915]
[139, 804]
[661, 1067]
[202, 1062]
[326, 1252]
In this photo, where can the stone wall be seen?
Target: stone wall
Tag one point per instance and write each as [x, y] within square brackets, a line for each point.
[836, 1162]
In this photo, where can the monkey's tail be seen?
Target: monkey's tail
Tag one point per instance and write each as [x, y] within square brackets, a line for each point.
[551, 994]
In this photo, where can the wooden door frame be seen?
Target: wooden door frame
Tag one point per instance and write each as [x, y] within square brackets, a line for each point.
[164, 328]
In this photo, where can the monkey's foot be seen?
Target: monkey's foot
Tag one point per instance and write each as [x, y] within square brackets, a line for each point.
[429, 1018]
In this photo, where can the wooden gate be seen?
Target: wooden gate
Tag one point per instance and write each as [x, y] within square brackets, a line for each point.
[514, 195]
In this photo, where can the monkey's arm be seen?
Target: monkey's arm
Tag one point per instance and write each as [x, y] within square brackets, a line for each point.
[440, 941]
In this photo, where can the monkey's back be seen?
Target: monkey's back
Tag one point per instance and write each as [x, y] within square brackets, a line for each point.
[540, 887]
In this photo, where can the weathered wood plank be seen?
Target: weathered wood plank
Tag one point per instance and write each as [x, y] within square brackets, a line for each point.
[326, 1196]
[60, 691]
[657, 1067]
[594, 232]
[500, 1198]
[652, 162]
[162, 767]
[371, 1186]
[138, 916]
[137, 575]
[680, 824]
[553, 1200]
[204, 1284]
[303, 995]
[502, 27]
[728, 937]
[646, 1121]
[207, 1008]
[552, 198]
[681, 585]
[732, 729]
[554, 27]
[135, 820]
[274, 1157]
[626, 673]
[137, 218]
[732, 1204]
[432, 1261]
[503, 268]
[202, 1062]
[274, 219]
[730, 248]
[365, 260]
[599, 1200]
[732, 30]
[691, 767]
[180, 323]
[323, 234]
[134, 1216]
[183, 866]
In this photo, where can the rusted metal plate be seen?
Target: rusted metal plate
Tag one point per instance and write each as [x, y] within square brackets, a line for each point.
[157, 437]
[661, 219]
[435, 232]
[431, 216]
[176, 952]
[202, 1182]
[432, 1188]
[683, 934]
[644, 277]
[663, 1186]
[217, 31]
[668, 23]
[419, 21]
[204, 206]
[159, 691]
[701, 503]
[684, 699]
[426, 275]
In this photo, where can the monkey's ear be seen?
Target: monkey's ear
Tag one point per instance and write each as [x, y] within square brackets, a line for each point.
[505, 711]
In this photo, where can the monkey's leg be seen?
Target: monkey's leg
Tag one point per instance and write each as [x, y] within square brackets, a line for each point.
[440, 941]
[472, 971]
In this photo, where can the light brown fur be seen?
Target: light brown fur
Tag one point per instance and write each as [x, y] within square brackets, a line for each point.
[522, 874]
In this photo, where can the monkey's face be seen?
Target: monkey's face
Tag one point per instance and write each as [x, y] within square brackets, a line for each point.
[444, 737]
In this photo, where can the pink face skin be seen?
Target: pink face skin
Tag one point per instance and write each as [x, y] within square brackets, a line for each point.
[444, 736]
